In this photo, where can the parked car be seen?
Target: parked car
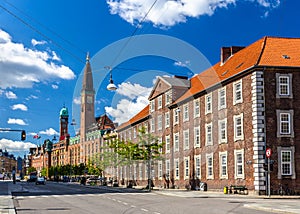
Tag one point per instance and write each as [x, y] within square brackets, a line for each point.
[40, 180]
[18, 178]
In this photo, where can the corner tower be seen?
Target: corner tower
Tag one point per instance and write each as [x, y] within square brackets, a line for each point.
[63, 123]
[87, 115]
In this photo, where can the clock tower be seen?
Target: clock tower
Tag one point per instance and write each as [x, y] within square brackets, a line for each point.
[87, 115]
[64, 121]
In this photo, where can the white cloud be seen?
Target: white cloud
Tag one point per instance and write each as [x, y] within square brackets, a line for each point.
[22, 67]
[49, 132]
[166, 13]
[35, 42]
[19, 106]
[16, 121]
[10, 95]
[54, 86]
[32, 97]
[15, 146]
[182, 64]
[127, 108]
[77, 100]
[55, 57]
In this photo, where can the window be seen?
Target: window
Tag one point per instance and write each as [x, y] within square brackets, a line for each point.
[168, 144]
[159, 122]
[152, 105]
[140, 171]
[134, 132]
[284, 85]
[176, 142]
[167, 119]
[223, 131]
[222, 98]
[176, 116]
[239, 163]
[198, 166]
[197, 136]
[160, 170]
[209, 166]
[186, 140]
[152, 125]
[208, 134]
[238, 127]
[168, 97]
[208, 103]
[223, 165]
[285, 123]
[196, 108]
[237, 92]
[168, 168]
[186, 112]
[176, 173]
[159, 102]
[186, 167]
[286, 162]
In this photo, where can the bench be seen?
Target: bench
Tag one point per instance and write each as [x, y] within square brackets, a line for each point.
[238, 189]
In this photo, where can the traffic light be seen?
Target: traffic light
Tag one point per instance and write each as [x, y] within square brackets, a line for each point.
[23, 135]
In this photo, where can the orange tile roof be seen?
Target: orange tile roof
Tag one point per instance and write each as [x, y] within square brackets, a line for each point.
[267, 51]
[139, 116]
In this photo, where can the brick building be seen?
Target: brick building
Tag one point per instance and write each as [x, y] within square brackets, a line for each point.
[217, 125]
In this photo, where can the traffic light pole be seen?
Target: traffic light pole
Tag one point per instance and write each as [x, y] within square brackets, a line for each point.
[23, 133]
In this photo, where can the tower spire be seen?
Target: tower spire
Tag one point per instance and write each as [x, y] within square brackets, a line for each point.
[87, 57]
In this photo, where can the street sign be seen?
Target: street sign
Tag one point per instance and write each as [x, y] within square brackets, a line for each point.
[268, 152]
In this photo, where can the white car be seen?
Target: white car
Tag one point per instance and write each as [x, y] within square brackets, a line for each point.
[40, 180]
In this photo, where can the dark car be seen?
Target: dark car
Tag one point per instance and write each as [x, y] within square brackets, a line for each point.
[40, 180]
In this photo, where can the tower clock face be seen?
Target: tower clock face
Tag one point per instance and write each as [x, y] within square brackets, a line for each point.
[89, 99]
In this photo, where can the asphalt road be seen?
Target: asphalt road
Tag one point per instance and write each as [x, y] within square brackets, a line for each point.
[73, 198]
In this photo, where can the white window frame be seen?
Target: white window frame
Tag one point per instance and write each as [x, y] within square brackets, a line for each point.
[280, 123]
[209, 166]
[222, 98]
[176, 169]
[288, 85]
[176, 142]
[196, 108]
[176, 116]
[160, 170]
[167, 144]
[186, 139]
[185, 112]
[291, 150]
[208, 103]
[168, 168]
[197, 160]
[134, 132]
[223, 165]
[238, 164]
[208, 134]
[152, 105]
[186, 163]
[159, 102]
[237, 126]
[237, 89]
[159, 123]
[197, 139]
[168, 98]
[152, 125]
[222, 131]
[167, 119]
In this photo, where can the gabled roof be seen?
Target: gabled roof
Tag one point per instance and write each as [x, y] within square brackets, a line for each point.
[138, 117]
[268, 51]
[172, 82]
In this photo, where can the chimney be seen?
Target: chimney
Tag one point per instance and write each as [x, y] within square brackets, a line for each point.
[227, 52]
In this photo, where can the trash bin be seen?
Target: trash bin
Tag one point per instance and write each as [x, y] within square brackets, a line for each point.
[225, 189]
[203, 186]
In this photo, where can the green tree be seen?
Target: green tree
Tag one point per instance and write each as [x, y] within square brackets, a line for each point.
[31, 169]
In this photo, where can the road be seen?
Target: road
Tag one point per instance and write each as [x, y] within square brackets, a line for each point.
[73, 198]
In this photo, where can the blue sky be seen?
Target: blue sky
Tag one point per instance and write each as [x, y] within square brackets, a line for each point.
[43, 47]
